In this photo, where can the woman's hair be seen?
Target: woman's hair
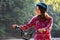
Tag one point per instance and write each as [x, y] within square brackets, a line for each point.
[43, 10]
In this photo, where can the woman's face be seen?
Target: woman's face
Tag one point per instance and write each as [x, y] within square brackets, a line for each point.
[37, 11]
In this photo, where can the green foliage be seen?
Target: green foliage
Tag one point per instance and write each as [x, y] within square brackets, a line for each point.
[14, 12]
[18, 11]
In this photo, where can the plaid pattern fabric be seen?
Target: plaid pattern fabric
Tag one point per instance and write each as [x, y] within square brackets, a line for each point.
[47, 24]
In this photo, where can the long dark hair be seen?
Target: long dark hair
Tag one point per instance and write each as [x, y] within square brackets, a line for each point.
[43, 10]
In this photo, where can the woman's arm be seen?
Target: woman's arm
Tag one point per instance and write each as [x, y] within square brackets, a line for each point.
[28, 25]
[49, 24]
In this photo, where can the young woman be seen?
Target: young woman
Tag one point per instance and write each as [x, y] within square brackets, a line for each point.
[42, 23]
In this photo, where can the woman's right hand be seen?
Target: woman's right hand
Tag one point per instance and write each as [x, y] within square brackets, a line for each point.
[14, 26]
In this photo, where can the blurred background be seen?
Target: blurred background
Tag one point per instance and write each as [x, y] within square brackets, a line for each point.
[21, 11]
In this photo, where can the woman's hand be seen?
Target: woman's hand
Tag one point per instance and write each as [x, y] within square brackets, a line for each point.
[14, 26]
[42, 30]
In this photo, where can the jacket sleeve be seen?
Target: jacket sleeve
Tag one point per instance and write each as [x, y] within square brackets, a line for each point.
[49, 24]
[28, 25]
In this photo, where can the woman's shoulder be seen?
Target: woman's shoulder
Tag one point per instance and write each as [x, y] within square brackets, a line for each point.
[34, 17]
[50, 18]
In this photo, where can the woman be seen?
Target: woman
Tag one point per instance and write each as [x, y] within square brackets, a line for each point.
[42, 23]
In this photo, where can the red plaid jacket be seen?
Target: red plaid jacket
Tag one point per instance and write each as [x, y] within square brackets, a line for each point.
[47, 24]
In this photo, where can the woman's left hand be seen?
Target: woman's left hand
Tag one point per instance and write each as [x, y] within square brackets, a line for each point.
[44, 29]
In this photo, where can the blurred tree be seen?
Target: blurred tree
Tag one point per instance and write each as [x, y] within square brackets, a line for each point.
[18, 11]
[14, 12]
